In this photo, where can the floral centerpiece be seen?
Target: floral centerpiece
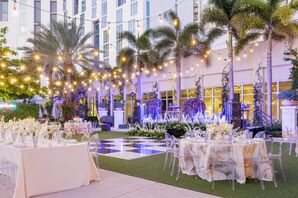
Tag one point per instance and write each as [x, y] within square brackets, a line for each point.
[218, 130]
[153, 108]
[77, 119]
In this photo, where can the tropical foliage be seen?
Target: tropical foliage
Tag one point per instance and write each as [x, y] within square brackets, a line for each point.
[181, 41]
[222, 17]
[270, 20]
[16, 79]
[64, 57]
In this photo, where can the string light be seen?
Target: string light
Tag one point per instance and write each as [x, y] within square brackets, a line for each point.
[14, 9]
[251, 50]
[256, 44]
[138, 26]
[3, 65]
[244, 55]
[160, 19]
[36, 57]
[176, 22]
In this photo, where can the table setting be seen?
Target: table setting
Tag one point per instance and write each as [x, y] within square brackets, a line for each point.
[43, 159]
[198, 151]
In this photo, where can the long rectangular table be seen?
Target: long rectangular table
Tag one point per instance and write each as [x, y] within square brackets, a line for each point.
[48, 169]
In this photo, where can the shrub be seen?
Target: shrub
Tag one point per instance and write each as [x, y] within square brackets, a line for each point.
[49, 107]
[21, 111]
[68, 111]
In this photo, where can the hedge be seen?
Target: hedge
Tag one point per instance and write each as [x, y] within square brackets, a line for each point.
[21, 111]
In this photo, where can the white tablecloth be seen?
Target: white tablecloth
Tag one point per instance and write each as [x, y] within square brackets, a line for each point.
[196, 156]
[78, 127]
[50, 169]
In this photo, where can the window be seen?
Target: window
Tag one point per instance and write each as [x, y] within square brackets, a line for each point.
[37, 17]
[132, 26]
[53, 11]
[83, 5]
[119, 29]
[96, 34]
[147, 14]
[37, 12]
[75, 7]
[106, 44]
[134, 7]
[120, 2]
[104, 13]
[3, 10]
[82, 23]
[64, 5]
[94, 8]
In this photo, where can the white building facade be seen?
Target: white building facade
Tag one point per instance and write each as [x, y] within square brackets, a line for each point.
[108, 18]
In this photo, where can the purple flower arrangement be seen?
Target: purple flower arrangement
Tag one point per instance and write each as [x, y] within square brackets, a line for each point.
[153, 108]
[193, 106]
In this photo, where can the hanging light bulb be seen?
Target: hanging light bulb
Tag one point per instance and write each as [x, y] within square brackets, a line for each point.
[14, 9]
[176, 22]
[138, 26]
[69, 26]
[160, 19]
[109, 27]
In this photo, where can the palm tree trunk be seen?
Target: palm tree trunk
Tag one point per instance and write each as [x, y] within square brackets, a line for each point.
[139, 88]
[269, 76]
[231, 65]
[178, 80]
[50, 86]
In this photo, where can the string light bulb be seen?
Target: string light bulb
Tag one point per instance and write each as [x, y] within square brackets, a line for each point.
[160, 19]
[176, 22]
[14, 9]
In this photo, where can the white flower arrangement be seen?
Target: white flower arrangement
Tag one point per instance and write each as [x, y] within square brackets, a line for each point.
[217, 130]
[77, 119]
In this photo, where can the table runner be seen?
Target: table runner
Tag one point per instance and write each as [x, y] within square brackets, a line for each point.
[196, 160]
[50, 169]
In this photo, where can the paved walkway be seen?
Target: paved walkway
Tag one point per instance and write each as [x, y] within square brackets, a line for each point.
[115, 185]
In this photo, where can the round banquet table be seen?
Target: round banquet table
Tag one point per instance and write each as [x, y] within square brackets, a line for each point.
[196, 159]
[78, 127]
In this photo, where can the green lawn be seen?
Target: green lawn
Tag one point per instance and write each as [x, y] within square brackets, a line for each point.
[151, 168]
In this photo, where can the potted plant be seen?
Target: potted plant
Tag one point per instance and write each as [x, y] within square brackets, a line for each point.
[103, 106]
[290, 97]
[118, 105]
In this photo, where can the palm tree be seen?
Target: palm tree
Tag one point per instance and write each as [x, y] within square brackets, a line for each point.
[63, 48]
[135, 57]
[221, 16]
[267, 18]
[179, 41]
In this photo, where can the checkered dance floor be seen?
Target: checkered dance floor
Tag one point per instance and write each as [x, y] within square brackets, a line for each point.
[131, 147]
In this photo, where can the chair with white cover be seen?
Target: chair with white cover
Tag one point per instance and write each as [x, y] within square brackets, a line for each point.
[93, 146]
[292, 139]
[277, 156]
[168, 140]
[222, 162]
[176, 155]
[85, 138]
